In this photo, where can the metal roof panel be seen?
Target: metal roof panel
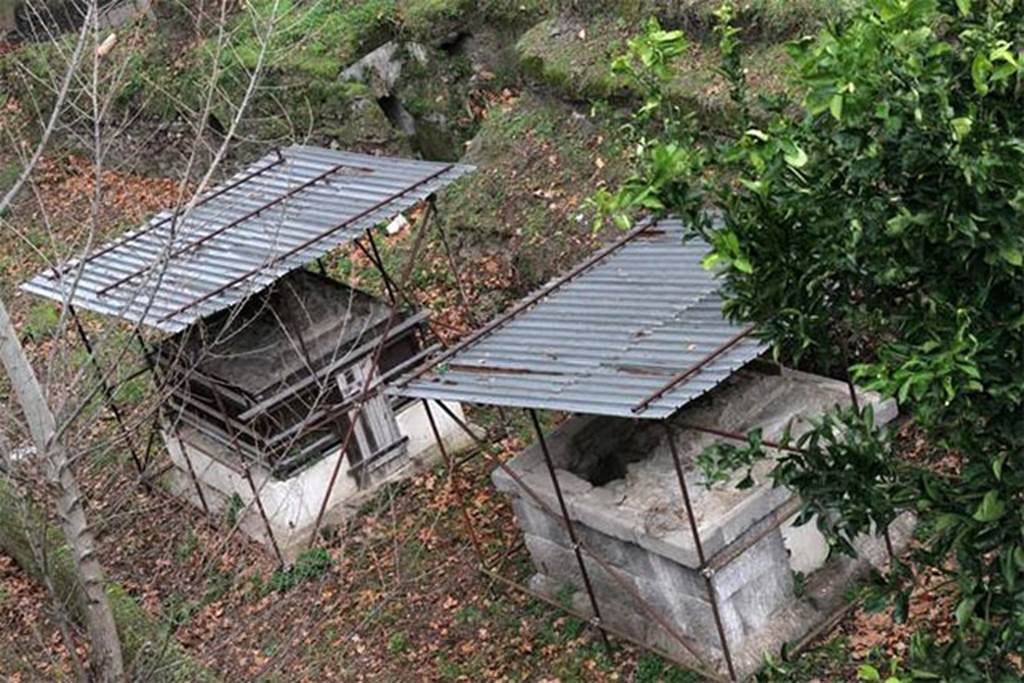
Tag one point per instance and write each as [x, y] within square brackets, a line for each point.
[636, 332]
[280, 213]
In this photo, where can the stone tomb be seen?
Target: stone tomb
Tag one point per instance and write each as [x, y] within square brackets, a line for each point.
[623, 495]
[303, 350]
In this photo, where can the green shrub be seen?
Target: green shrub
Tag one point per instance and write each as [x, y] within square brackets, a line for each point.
[879, 234]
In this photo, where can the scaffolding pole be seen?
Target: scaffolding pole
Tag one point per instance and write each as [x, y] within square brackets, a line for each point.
[705, 571]
[107, 390]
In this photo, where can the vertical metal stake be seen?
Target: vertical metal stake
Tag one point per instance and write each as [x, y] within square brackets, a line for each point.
[450, 464]
[379, 262]
[456, 272]
[373, 369]
[247, 471]
[107, 391]
[569, 526]
[184, 450]
[155, 427]
[712, 595]
[195, 479]
[263, 515]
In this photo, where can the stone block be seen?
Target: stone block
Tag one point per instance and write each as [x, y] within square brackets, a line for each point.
[650, 575]
[754, 566]
[532, 520]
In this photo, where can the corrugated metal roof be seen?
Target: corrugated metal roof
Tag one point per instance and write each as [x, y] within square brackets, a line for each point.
[636, 331]
[282, 212]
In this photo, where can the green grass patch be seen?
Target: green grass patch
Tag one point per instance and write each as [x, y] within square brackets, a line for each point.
[574, 59]
[310, 565]
[41, 321]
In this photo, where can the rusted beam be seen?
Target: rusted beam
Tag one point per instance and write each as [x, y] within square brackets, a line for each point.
[56, 272]
[622, 583]
[707, 573]
[571, 528]
[247, 471]
[305, 244]
[456, 487]
[685, 375]
[489, 328]
[368, 380]
[224, 228]
[108, 392]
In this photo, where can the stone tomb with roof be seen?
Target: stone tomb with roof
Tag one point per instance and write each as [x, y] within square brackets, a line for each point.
[268, 391]
[624, 498]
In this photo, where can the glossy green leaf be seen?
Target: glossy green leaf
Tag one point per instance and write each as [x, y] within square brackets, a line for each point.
[796, 157]
[835, 107]
[990, 509]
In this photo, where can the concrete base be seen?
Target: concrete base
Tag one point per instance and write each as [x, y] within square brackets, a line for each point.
[622, 493]
[292, 505]
[752, 626]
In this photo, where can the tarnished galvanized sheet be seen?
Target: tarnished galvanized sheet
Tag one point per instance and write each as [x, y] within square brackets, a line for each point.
[281, 213]
[637, 334]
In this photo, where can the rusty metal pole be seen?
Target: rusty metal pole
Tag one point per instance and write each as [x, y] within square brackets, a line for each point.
[456, 273]
[155, 427]
[195, 479]
[456, 488]
[364, 392]
[378, 261]
[705, 571]
[247, 471]
[543, 505]
[263, 514]
[570, 527]
[108, 392]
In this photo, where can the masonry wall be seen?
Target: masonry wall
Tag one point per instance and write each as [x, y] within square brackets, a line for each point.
[631, 514]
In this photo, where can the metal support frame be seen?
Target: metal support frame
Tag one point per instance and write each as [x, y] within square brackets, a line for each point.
[365, 390]
[379, 261]
[570, 527]
[158, 380]
[456, 486]
[626, 587]
[457, 274]
[147, 357]
[247, 471]
[685, 375]
[57, 272]
[274, 260]
[646, 228]
[707, 572]
[107, 390]
[151, 367]
[224, 228]
[397, 293]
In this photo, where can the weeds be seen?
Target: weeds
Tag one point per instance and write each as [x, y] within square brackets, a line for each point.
[310, 565]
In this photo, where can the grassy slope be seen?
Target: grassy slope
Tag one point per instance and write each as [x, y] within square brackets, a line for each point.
[569, 55]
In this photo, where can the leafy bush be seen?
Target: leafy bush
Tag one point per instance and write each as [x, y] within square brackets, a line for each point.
[878, 235]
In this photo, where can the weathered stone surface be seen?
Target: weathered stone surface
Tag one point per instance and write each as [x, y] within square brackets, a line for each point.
[379, 69]
[637, 521]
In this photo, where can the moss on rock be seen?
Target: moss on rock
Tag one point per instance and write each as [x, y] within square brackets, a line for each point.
[572, 58]
[538, 160]
[764, 20]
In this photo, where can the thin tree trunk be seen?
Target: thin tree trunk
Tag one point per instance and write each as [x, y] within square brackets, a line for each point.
[106, 646]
